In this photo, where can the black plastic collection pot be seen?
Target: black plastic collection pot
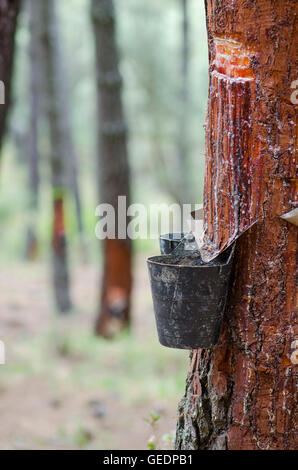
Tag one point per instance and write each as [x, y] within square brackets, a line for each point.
[189, 297]
[170, 241]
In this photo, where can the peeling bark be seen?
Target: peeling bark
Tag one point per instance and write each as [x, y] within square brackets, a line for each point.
[116, 289]
[247, 381]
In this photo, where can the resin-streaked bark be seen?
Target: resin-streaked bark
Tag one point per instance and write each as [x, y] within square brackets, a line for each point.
[247, 396]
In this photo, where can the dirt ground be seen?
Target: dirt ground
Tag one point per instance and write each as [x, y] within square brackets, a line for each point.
[61, 388]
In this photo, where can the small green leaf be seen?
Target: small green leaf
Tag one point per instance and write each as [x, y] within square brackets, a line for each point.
[151, 446]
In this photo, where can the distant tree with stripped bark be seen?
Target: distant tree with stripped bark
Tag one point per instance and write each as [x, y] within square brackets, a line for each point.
[113, 168]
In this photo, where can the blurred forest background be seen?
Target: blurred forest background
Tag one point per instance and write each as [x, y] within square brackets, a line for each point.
[63, 386]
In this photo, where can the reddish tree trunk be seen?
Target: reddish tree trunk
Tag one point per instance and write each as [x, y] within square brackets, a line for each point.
[116, 288]
[9, 10]
[247, 396]
[58, 155]
[113, 170]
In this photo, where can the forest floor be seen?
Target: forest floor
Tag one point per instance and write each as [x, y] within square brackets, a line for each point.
[63, 388]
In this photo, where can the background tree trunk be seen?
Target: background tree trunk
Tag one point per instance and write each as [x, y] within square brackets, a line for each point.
[35, 80]
[240, 394]
[183, 141]
[69, 147]
[9, 10]
[59, 156]
[113, 170]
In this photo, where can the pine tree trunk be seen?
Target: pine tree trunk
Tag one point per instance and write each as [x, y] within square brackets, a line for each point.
[35, 80]
[58, 159]
[9, 10]
[240, 394]
[69, 146]
[183, 140]
[113, 170]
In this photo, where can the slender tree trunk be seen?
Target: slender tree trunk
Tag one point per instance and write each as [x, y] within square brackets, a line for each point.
[183, 144]
[114, 171]
[35, 80]
[240, 394]
[58, 160]
[70, 151]
[9, 10]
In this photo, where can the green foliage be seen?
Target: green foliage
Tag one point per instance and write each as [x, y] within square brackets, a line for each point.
[151, 446]
[153, 418]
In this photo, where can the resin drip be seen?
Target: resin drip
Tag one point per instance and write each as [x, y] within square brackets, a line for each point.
[233, 164]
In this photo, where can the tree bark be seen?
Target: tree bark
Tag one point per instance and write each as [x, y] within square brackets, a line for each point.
[241, 394]
[9, 10]
[58, 157]
[183, 138]
[114, 181]
[68, 141]
[35, 80]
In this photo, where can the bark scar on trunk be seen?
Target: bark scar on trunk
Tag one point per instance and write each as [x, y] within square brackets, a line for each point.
[233, 164]
[233, 59]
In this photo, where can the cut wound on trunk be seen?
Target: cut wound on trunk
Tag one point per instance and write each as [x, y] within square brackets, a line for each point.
[233, 160]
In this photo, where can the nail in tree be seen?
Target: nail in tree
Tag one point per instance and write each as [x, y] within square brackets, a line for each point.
[113, 170]
[241, 393]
